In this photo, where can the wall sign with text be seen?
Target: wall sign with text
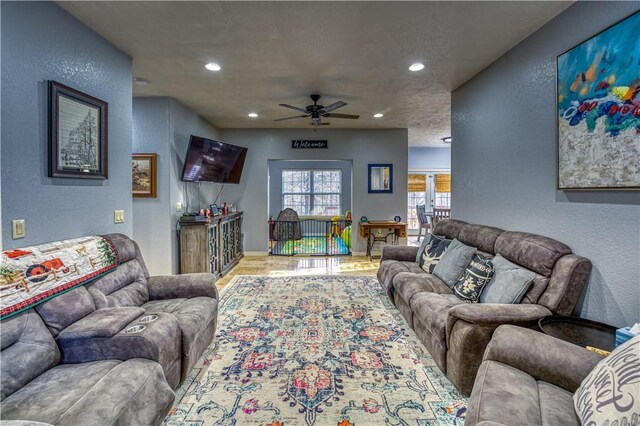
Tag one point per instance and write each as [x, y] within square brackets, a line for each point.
[305, 144]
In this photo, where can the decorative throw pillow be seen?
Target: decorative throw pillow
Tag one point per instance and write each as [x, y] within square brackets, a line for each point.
[473, 279]
[509, 283]
[431, 253]
[610, 394]
[453, 262]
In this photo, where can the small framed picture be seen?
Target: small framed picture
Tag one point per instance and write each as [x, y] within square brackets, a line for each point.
[380, 178]
[77, 134]
[144, 178]
[214, 210]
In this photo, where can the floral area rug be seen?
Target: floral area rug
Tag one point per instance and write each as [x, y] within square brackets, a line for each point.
[314, 350]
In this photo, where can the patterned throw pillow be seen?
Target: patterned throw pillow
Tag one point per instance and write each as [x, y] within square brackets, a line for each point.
[473, 279]
[610, 394]
[432, 252]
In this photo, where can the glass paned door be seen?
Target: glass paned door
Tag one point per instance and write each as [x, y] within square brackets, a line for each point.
[429, 195]
[415, 198]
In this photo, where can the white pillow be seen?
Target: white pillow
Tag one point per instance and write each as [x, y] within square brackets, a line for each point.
[610, 394]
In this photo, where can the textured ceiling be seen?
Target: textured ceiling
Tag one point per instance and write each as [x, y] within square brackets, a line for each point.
[280, 52]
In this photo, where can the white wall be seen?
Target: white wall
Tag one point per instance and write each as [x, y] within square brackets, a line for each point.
[504, 164]
[360, 146]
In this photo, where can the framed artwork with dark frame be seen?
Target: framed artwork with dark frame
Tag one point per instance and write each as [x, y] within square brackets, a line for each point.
[598, 110]
[380, 178]
[144, 177]
[77, 134]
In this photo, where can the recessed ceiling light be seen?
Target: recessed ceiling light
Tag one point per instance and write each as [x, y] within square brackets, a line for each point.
[252, 115]
[211, 66]
[141, 81]
[416, 67]
[447, 139]
[378, 115]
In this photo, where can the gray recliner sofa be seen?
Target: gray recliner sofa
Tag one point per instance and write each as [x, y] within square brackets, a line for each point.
[528, 378]
[126, 330]
[456, 333]
[37, 388]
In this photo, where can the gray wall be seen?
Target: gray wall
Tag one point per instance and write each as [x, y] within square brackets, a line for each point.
[429, 158]
[504, 164]
[275, 180]
[163, 126]
[42, 42]
[360, 146]
[153, 228]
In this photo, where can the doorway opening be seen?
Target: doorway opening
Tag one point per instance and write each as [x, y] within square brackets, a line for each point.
[428, 188]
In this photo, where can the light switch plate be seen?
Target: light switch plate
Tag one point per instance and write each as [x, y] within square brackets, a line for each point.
[118, 216]
[178, 207]
[18, 229]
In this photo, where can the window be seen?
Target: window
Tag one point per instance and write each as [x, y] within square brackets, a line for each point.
[443, 200]
[312, 192]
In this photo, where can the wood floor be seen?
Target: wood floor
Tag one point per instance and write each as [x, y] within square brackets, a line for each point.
[278, 266]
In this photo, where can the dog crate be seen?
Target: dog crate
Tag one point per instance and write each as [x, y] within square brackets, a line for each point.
[310, 237]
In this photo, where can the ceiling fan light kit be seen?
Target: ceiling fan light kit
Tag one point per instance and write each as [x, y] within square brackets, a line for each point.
[317, 112]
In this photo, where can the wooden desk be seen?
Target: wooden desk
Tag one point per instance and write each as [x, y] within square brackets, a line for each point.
[396, 230]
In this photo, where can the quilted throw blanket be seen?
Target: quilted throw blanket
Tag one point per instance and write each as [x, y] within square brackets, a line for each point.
[31, 275]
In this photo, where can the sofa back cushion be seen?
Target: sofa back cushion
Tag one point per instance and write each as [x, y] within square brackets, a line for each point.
[28, 350]
[65, 309]
[448, 228]
[481, 237]
[126, 286]
[127, 250]
[534, 252]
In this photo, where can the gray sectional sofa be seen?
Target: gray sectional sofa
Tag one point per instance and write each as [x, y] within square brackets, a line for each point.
[108, 352]
[456, 333]
[532, 374]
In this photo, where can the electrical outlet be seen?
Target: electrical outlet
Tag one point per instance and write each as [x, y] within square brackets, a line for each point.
[178, 207]
[118, 216]
[18, 229]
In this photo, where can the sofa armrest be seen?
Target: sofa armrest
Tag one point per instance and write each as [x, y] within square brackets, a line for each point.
[469, 331]
[105, 322]
[400, 253]
[487, 314]
[541, 356]
[182, 286]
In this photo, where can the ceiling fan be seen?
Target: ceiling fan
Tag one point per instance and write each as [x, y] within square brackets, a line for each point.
[317, 112]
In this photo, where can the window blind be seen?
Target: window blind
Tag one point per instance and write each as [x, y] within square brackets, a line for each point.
[417, 182]
[443, 183]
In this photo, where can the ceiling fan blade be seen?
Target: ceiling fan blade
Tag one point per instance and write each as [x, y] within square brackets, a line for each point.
[293, 107]
[333, 106]
[350, 116]
[290, 118]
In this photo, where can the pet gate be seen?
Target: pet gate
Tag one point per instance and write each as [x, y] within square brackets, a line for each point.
[310, 237]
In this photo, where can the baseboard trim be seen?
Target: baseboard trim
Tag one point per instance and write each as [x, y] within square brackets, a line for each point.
[256, 253]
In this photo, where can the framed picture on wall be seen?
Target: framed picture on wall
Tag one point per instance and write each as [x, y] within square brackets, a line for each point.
[598, 110]
[144, 178]
[380, 178]
[77, 134]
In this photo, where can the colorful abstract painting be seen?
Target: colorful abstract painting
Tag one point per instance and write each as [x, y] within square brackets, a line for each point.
[599, 110]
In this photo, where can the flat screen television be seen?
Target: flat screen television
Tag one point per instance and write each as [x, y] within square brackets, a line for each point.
[213, 161]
